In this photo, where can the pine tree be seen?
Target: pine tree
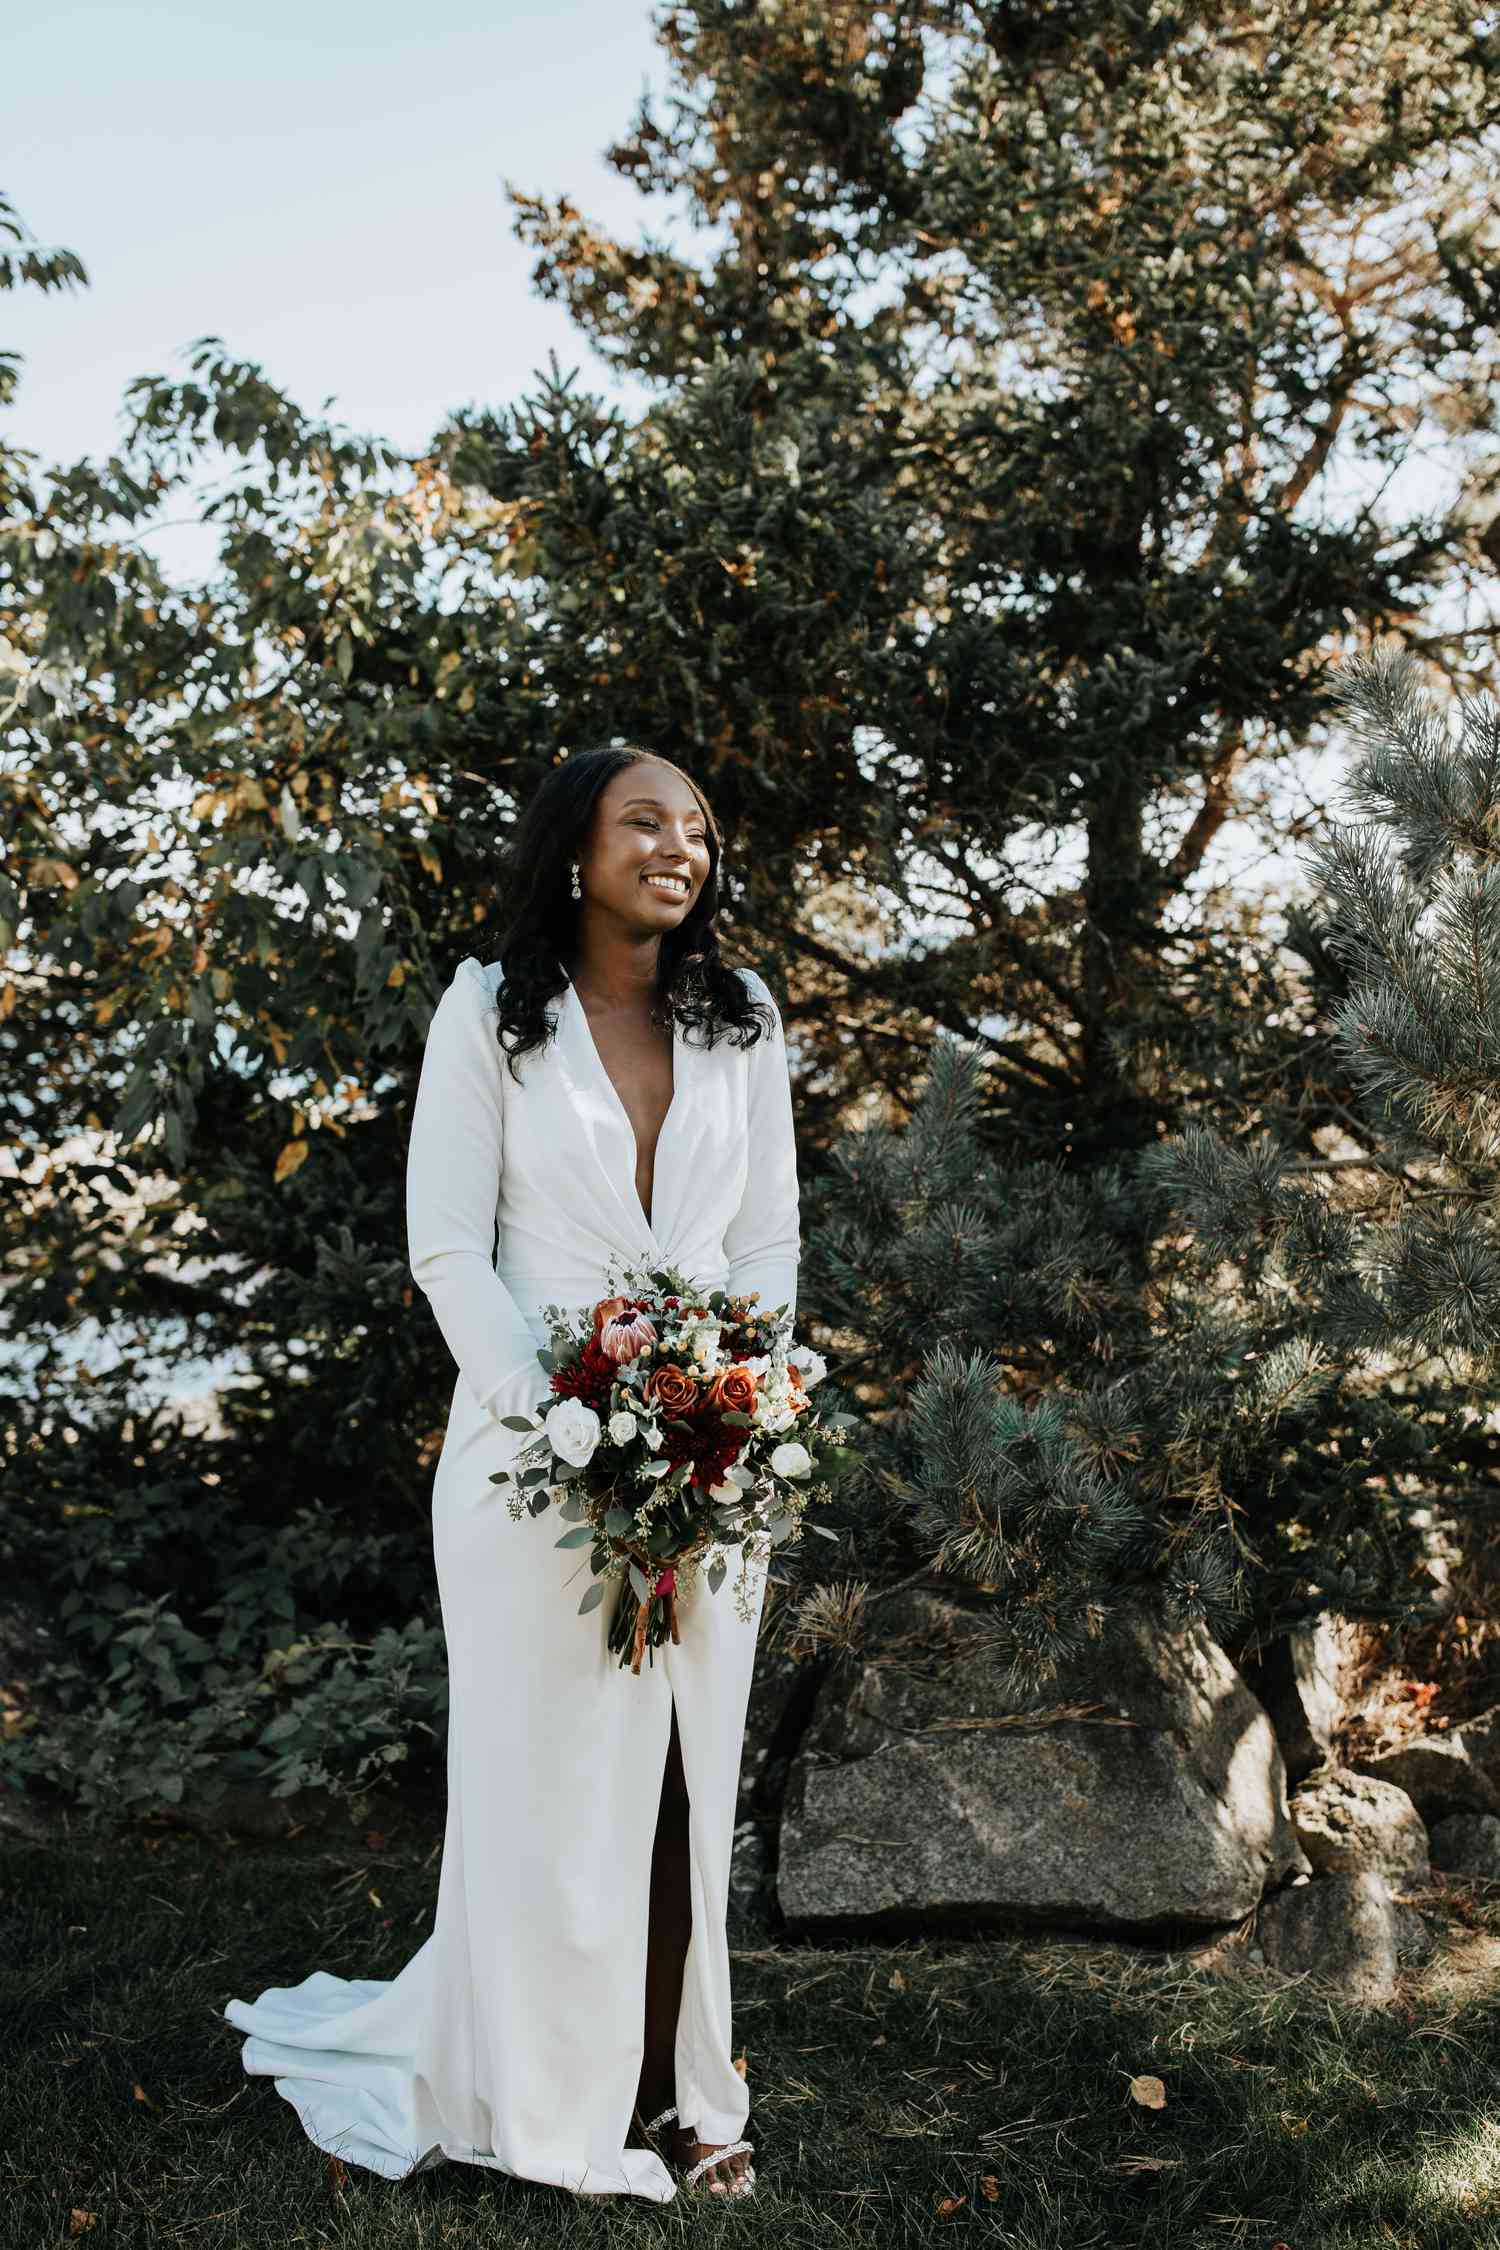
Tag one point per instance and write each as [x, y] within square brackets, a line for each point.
[1406, 1273]
[1000, 501]
[1311, 1374]
[1062, 1437]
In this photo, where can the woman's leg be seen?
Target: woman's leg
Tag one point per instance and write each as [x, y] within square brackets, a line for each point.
[668, 1937]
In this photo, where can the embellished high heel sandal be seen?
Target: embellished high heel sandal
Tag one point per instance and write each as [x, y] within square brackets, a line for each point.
[736, 2184]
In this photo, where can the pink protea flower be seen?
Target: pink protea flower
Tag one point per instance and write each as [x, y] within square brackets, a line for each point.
[623, 1334]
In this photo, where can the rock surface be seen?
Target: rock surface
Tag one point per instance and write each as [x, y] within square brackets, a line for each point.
[1310, 1681]
[1346, 1821]
[1343, 1932]
[925, 1795]
[1467, 1844]
[1481, 1740]
[1437, 1772]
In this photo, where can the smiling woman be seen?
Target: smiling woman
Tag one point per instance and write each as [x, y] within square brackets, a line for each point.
[573, 2001]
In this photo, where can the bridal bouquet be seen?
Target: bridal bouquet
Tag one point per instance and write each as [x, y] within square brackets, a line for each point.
[677, 1425]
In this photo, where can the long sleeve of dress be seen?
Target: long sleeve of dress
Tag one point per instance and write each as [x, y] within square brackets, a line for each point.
[763, 1241]
[453, 1165]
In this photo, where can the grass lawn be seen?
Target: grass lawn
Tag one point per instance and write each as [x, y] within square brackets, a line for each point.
[945, 2090]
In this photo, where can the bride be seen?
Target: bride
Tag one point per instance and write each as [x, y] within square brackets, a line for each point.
[607, 1089]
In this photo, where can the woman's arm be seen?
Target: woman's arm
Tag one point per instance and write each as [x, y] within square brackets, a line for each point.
[452, 1186]
[762, 1241]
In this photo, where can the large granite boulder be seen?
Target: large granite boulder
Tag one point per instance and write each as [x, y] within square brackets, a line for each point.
[1143, 1794]
[1348, 1821]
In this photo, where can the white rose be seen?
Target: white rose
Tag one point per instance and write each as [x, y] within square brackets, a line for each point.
[572, 1431]
[622, 1427]
[791, 1460]
[810, 1365]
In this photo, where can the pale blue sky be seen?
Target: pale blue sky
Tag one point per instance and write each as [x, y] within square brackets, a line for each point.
[320, 185]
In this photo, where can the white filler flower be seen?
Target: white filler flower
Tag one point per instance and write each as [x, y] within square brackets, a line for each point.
[701, 1338]
[791, 1460]
[622, 1427]
[810, 1365]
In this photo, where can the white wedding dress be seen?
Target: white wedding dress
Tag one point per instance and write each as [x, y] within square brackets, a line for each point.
[514, 2037]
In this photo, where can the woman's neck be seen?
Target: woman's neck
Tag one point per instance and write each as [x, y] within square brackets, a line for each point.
[619, 976]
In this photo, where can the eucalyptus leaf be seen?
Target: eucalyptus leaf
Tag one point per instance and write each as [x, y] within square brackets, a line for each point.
[579, 1536]
[591, 1599]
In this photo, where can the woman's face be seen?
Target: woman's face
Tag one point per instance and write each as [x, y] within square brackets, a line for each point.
[647, 825]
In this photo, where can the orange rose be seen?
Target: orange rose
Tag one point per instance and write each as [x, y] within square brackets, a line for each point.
[671, 1389]
[733, 1389]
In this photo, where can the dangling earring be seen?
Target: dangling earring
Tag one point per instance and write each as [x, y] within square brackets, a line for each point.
[577, 886]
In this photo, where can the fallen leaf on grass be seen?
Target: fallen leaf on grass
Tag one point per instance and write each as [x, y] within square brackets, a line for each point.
[139, 2093]
[989, 2187]
[1148, 2091]
[948, 2204]
[338, 2174]
[79, 2222]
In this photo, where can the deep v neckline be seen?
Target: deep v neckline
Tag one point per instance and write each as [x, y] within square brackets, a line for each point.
[624, 1114]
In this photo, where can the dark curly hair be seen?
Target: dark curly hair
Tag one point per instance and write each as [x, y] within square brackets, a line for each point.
[695, 988]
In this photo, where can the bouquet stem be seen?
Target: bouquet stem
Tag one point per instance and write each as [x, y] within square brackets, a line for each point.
[644, 1623]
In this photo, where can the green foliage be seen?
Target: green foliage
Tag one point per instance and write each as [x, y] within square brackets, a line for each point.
[186, 1651]
[1408, 899]
[987, 548]
[1059, 1432]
